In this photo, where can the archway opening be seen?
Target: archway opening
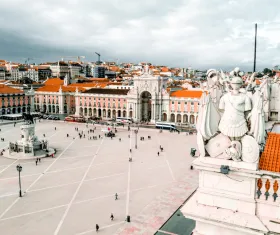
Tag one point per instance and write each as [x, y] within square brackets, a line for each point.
[172, 117]
[146, 106]
[179, 118]
[164, 117]
[192, 119]
[119, 113]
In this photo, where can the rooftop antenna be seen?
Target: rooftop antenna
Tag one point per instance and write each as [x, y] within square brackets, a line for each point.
[99, 62]
[255, 49]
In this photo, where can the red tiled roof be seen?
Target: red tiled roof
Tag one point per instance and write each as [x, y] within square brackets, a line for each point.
[9, 90]
[164, 69]
[55, 88]
[90, 85]
[54, 81]
[270, 159]
[186, 93]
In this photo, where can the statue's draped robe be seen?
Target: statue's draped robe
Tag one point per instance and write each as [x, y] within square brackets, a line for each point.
[257, 118]
[233, 122]
[208, 117]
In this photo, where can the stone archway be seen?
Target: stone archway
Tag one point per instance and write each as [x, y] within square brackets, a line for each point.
[164, 117]
[99, 112]
[57, 109]
[81, 111]
[104, 113]
[94, 112]
[179, 118]
[185, 118]
[130, 114]
[192, 119]
[114, 114]
[119, 113]
[172, 117]
[109, 113]
[124, 113]
[146, 106]
[90, 112]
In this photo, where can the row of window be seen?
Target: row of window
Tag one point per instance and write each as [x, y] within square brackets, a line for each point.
[108, 99]
[192, 103]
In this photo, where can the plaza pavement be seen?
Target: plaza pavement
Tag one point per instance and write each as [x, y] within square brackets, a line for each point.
[72, 192]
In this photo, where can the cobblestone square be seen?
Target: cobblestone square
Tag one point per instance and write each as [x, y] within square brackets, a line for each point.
[72, 192]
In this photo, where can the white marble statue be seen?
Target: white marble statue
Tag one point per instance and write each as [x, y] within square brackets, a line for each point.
[236, 127]
[233, 122]
[207, 112]
[234, 151]
[214, 85]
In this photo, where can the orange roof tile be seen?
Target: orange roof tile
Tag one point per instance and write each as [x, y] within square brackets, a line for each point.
[55, 88]
[92, 84]
[9, 90]
[270, 158]
[187, 93]
[114, 68]
[164, 69]
[258, 82]
[54, 81]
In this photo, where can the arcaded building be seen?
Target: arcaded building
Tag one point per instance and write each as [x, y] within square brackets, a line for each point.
[149, 99]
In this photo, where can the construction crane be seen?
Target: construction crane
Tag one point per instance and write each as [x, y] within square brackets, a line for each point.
[78, 57]
[99, 62]
[27, 60]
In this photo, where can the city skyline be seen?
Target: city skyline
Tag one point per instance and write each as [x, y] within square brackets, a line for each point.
[185, 33]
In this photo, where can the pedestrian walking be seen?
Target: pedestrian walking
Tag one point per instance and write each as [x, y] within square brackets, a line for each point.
[97, 227]
[112, 217]
[39, 159]
[158, 153]
[120, 139]
[36, 162]
[130, 150]
[44, 135]
[116, 196]
[55, 128]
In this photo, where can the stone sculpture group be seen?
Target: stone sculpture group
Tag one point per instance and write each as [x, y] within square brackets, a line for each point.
[231, 121]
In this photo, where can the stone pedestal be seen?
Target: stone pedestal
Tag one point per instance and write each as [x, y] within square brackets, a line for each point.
[225, 203]
[29, 146]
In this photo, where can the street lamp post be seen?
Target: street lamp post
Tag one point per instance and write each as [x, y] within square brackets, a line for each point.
[19, 169]
[136, 132]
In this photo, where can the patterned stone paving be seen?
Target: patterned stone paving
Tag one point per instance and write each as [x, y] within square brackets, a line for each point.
[162, 207]
[69, 194]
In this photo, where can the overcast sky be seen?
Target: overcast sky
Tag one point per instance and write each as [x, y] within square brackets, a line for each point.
[183, 33]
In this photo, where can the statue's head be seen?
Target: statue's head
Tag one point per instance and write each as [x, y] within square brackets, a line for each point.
[212, 74]
[236, 83]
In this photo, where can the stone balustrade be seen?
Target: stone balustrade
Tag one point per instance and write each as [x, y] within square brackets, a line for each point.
[267, 189]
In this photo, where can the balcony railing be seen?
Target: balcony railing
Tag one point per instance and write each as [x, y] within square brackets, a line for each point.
[267, 189]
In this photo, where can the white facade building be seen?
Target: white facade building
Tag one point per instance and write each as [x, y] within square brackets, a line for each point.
[74, 70]
[59, 69]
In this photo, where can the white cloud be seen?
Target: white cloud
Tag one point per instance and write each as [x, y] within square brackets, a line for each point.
[177, 33]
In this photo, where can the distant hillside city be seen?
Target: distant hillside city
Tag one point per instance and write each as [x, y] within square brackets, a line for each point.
[105, 90]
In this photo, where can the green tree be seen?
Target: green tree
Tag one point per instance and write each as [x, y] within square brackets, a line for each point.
[267, 71]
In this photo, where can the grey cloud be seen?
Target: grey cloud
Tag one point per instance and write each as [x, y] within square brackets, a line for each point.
[201, 34]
